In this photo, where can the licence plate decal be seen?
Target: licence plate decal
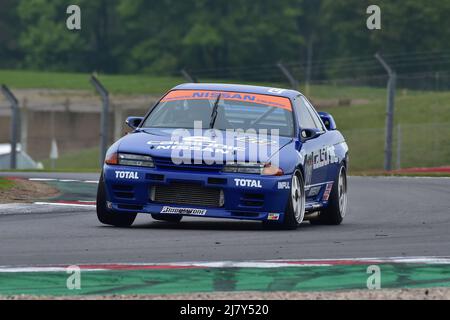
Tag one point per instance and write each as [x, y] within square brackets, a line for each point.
[187, 211]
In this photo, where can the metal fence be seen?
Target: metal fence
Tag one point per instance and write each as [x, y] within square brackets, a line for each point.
[72, 120]
[415, 145]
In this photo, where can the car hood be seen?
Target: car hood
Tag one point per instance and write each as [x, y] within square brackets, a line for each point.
[168, 143]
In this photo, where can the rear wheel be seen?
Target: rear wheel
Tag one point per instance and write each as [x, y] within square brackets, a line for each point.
[335, 212]
[295, 211]
[167, 218]
[110, 217]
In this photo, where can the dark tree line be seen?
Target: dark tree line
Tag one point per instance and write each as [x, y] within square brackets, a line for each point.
[210, 36]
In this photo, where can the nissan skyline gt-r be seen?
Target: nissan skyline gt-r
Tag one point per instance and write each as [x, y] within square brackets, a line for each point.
[227, 151]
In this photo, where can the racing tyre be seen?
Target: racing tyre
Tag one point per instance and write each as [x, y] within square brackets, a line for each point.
[337, 205]
[295, 211]
[173, 218]
[109, 217]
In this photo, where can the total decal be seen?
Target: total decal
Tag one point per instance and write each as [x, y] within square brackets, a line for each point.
[127, 175]
[249, 183]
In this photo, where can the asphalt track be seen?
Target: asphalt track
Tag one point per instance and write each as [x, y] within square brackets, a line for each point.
[387, 217]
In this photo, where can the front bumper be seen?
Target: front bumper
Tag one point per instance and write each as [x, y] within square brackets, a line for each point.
[129, 190]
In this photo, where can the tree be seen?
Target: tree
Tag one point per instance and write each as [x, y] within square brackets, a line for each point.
[9, 31]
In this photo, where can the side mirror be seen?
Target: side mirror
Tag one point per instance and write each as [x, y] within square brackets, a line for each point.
[134, 122]
[309, 134]
[328, 120]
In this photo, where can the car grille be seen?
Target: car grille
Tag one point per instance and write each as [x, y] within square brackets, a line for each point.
[167, 164]
[186, 194]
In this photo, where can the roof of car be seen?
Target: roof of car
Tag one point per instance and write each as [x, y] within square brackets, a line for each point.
[239, 88]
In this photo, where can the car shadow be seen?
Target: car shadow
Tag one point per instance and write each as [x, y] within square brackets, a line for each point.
[217, 225]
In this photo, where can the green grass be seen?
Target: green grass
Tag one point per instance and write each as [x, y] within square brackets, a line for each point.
[86, 160]
[406, 174]
[425, 131]
[424, 117]
[118, 84]
[147, 84]
[6, 184]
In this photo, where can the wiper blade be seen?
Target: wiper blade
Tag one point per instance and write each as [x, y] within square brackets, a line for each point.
[263, 116]
[214, 112]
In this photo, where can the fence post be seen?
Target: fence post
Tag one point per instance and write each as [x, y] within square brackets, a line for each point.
[399, 147]
[104, 121]
[24, 126]
[389, 112]
[118, 122]
[15, 123]
[188, 77]
[309, 56]
[288, 75]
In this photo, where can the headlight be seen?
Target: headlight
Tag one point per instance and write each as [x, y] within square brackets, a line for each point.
[244, 167]
[137, 160]
[253, 168]
[127, 159]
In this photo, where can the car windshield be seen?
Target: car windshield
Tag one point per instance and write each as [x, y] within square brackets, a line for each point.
[235, 110]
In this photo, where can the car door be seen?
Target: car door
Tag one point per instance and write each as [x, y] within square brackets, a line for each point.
[313, 150]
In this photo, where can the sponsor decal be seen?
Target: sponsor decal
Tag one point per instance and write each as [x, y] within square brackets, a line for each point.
[214, 147]
[256, 140]
[269, 100]
[273, 216]
[327, 192]
[127, 175]
[195, 143]
[186, 211]
[249, 183]
[206, 144]
[284, 185]
[276, 90]
[308, 168]
[324, 157]
[314, 191]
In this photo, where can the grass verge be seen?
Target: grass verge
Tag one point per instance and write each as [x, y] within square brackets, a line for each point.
[6, 184]
[422, 119]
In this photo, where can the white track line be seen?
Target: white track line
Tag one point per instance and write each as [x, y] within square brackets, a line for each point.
[63, 180]
[65, 204]
[234, 264]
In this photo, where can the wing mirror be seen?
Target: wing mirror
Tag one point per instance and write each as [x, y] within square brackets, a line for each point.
[134, 122]
[309, 134]
[328, 120]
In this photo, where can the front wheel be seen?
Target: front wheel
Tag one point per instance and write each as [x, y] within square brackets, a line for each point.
[295, 210]
[335, 212]
[110, 217]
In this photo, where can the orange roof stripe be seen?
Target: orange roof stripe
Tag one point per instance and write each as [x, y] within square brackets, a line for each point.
[272, 101]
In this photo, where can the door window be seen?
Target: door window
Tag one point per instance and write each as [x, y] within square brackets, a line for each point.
[304, 117]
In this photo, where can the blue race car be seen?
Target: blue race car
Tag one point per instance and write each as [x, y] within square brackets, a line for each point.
[227, 151]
